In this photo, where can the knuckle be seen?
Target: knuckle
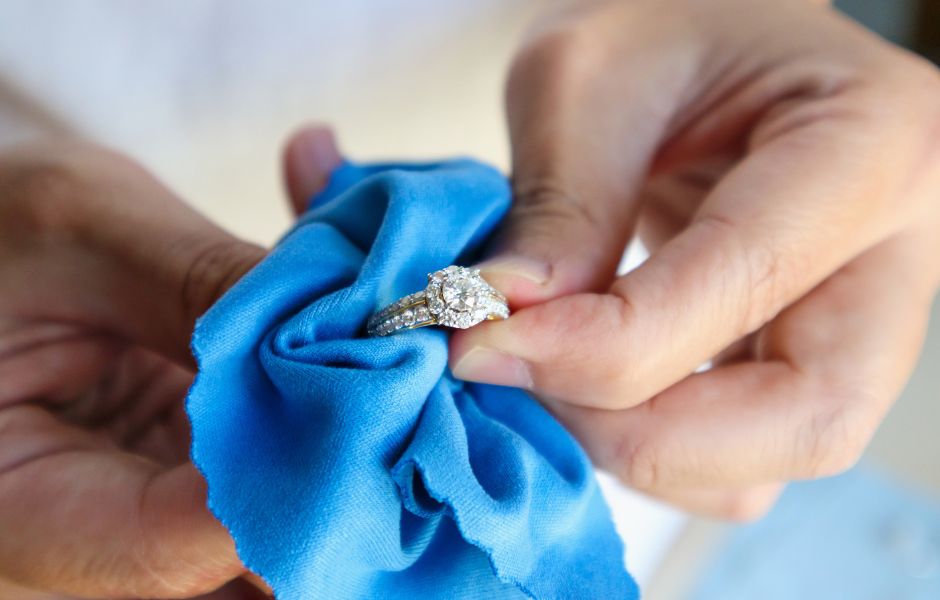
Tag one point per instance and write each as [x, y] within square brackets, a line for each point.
[830, 444]
[600, 320]
[769, 275]
[212, 267]
[548, 203]
[42, 186]
[550, 221]
[765, 274]
[638, 463]
[557, 56]
[37, 195]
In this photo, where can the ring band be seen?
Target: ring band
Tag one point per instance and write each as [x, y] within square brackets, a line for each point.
[454, 297]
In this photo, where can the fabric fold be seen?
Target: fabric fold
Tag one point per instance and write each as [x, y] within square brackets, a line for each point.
[355, 467]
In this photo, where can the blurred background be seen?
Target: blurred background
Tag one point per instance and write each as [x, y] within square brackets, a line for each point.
[871, 534]
[204, 92]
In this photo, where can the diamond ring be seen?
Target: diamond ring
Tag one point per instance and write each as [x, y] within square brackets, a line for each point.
[455, 297]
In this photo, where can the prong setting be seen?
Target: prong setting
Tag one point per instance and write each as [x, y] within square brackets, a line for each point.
[459, 297]
[455, 297]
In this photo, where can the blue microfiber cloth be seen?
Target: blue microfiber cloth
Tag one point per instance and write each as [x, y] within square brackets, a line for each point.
[355, 467]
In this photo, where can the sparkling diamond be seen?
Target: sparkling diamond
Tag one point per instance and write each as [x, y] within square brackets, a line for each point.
[462, 293]
[421, 314]
[458, 297]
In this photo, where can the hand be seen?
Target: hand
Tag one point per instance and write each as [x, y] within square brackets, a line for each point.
[103, 271]
[783, 166]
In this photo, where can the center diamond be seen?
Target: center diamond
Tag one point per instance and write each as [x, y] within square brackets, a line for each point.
[462, 293]
[458, 297]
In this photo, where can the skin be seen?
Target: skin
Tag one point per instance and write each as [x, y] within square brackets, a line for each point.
[782, 166]
[103, 271]
[784, 175]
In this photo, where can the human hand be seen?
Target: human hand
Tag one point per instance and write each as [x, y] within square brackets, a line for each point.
[103, 271]
[783, 166]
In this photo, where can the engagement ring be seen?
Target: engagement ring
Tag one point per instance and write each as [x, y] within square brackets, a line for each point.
[455, 297]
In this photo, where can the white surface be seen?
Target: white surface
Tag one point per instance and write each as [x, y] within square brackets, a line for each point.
[648, 527]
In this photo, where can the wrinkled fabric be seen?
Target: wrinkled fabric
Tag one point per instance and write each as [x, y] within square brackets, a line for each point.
[355, 467]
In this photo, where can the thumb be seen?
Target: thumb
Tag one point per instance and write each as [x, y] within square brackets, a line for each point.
[580, 151]
[168, 265]
[574, 180]
[310, 156]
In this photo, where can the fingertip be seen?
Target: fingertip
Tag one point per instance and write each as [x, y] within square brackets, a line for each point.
[523, 280]
[480, 353]
[310, 156]
[752, 504]
[531, 275]
[557, 348]
[735, 505]
[488, 365]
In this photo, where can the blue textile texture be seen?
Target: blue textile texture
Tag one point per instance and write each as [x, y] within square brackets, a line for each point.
[355, 467]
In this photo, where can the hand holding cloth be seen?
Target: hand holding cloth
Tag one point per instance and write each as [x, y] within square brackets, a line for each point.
[354, 467]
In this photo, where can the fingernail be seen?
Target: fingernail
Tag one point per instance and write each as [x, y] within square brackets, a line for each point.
[318, 152]
[536, 271]
[485, 365]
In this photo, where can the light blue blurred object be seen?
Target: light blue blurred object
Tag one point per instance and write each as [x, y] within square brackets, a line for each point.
[355, 467]
[859, 536]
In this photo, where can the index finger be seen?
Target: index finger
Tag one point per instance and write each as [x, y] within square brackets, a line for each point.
[814, 193]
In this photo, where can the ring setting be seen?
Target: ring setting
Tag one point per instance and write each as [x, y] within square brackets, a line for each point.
[455, 297]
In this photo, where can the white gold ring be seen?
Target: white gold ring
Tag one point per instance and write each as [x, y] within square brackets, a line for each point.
[454, 297]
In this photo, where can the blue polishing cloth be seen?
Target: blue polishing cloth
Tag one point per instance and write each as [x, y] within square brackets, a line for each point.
[354, 467]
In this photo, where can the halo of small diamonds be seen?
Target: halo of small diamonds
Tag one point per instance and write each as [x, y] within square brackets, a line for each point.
[459, 297]
[455, 297]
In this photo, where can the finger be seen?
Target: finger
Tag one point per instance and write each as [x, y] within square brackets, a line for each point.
[670, 200]
[56, 364]
[739, 351]
[310, 155]
[741, 504]
[259, 584]
[240, 589]
[103, 244]
[761, 240]
[574, 178]
[830, 367]
[81, 518]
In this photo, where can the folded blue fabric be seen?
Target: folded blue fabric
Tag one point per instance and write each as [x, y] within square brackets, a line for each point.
[355, 467]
